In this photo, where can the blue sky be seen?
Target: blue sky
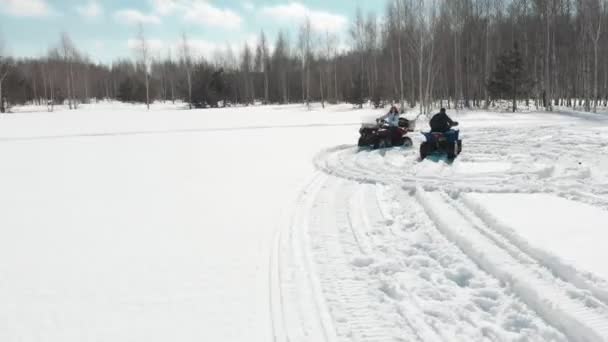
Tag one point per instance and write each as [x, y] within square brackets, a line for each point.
[103, 28]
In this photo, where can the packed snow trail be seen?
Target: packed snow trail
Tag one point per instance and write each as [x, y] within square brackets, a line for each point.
[387, 274]
[579, 315]
[429, 200]
[570, 163]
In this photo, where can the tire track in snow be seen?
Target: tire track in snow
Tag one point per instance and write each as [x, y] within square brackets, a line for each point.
[297, 307]
[579, 308]
[529, 168]
[579, 319]
[506, 238]
[369, 290]
[370, 222]
[436, 281]
[339, 249]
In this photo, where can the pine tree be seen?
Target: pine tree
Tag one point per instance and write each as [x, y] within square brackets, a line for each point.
[355, 94]
[217, 88]
[509, 80]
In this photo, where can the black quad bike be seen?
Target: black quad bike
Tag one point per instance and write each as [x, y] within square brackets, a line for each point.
[441, 144]
[380, 135]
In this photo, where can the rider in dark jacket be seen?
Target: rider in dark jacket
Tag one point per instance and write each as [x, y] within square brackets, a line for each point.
[441, 122]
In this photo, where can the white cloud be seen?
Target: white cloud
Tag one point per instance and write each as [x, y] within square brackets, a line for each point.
[166, 7]
[26, 8]
[320, 21]
[91, 10]
[205, 14]
[199, 12]
[248, 5]
[131, 16]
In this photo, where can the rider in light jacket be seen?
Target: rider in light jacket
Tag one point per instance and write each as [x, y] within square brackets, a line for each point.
[391, 118]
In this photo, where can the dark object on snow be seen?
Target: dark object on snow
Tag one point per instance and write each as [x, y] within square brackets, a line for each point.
[380, 135]
[441, 122]
[441, 143]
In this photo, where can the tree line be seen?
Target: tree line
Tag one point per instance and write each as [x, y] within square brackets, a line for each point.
[452, 53]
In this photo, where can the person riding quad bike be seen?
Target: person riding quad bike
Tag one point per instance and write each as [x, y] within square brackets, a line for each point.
[389, 130]
[442, 139]
[441, 122]
[391, 118]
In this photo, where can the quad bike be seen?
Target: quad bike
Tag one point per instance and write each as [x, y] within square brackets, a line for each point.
[380, 135]
[438, 143]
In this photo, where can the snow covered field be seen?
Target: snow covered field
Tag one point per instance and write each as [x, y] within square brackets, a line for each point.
[267, 224]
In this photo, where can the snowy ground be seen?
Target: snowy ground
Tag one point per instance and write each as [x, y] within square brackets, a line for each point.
[267, 224]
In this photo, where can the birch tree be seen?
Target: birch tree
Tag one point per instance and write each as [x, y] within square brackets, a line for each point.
[186, 59]
[143, 50]
[5, 66]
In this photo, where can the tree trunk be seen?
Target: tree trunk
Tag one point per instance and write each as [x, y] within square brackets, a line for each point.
[308, 85]
[189, 77]
[487, 66]
[68, 89]
[456, 82]
[266, 84]
[321, 87]
[548, 99]
[401, 96]
[393, 73]
[420, 72]
[336, 80]
[147, 89]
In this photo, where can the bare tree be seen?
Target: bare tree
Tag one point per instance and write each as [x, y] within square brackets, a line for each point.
[5, 66]
[143, 51]
[329, 55]
[305, 44]
[400, 9]
[594, 12]
[246, 65]
[357, 33]
[170, 67]
[265, 61]
[68, 52]
[186, 56]
[279, 68]
[426, 52]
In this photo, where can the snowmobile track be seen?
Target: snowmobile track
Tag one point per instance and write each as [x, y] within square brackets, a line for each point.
[524, 169]
[585, 281]
[441, 287]
[343, 275]
[339, 246]
[581, 318]
[298, 311]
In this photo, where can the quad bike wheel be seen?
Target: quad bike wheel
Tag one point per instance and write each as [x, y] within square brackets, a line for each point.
[361, 142]
[452, 150]
[425, 150]
[407, 142]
